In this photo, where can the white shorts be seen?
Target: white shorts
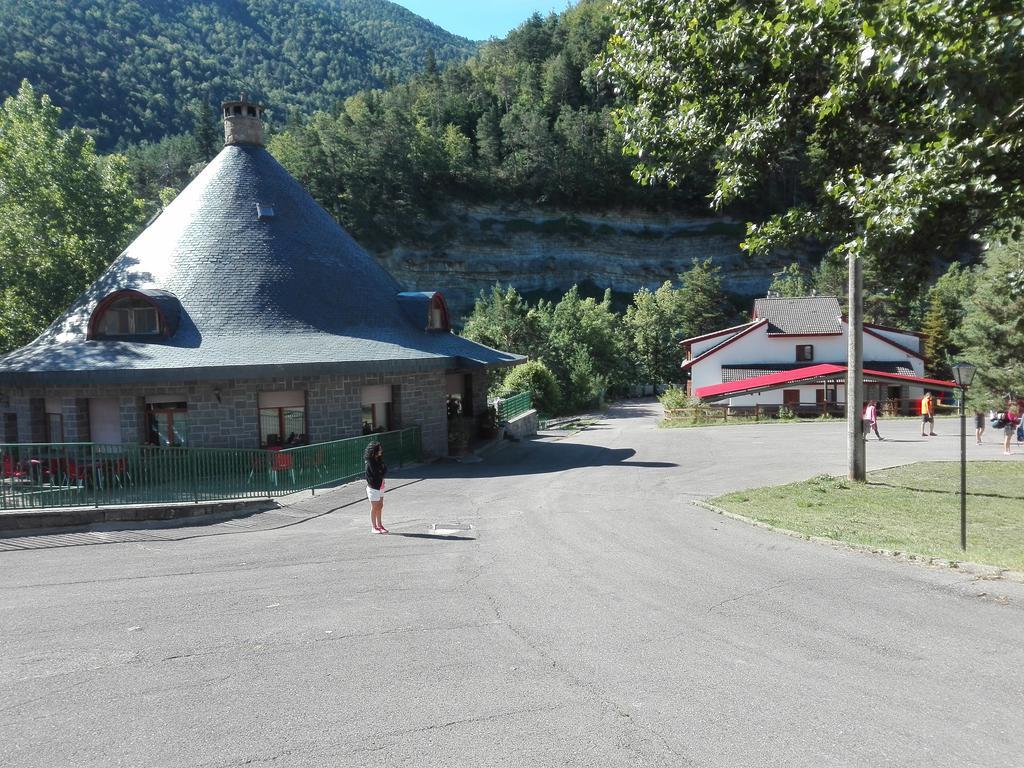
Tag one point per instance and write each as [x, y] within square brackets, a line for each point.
[374, 494]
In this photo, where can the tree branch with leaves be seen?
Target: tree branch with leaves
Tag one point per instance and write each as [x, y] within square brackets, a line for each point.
[898, 124]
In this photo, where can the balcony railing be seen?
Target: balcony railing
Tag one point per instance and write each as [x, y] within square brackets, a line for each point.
[48, 475]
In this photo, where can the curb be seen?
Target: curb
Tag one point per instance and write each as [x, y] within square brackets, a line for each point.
[979, 570]
[34, 520]
[25, 521]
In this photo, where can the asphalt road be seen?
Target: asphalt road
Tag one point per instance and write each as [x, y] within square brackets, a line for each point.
[592, 616]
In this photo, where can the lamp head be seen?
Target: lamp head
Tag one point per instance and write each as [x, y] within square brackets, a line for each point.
[963, 374]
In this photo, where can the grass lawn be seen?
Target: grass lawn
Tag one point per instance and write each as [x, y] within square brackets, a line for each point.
[913, 509]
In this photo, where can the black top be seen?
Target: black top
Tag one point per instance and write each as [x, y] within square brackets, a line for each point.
[375, 471]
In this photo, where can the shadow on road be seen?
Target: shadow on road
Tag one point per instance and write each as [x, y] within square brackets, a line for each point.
[536, 457]
[438, 536]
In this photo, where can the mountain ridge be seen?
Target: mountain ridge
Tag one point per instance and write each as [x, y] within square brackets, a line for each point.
[132, 70]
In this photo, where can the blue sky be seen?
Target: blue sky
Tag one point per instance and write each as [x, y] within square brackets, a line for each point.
[481, 19]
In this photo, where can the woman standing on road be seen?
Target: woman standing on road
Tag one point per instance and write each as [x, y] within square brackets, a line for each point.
[373, 458]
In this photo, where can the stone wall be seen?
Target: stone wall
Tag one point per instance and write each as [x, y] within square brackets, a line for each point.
[523, 425]
[479, 392]
[224, 414]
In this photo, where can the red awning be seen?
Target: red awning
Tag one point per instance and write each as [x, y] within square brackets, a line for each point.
[810, 375]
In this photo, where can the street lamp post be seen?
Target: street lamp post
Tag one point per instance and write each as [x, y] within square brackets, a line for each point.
[963, 374]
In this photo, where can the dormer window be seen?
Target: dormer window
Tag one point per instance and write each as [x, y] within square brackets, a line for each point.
[427, 310]
[438, 318]
[129, 316]
[138, 314]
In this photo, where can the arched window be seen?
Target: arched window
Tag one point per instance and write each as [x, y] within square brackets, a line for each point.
[135, 313]
[426, 310]
[438, 318]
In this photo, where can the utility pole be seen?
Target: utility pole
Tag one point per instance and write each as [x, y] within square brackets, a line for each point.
[855, 370]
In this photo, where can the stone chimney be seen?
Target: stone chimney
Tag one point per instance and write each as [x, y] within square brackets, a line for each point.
[243, 122]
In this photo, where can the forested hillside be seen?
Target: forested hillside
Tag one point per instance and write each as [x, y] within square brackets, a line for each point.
[527, 120]
[135, 69]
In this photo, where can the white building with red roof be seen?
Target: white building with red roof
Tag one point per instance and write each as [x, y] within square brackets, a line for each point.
[768, 359]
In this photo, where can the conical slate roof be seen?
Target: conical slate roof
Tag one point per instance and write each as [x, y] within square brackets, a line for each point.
[267, 282]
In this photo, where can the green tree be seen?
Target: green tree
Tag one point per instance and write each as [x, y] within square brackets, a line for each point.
[529, 148]
[894, 125]
[560, 84]
[703, 306]
[155, 166]
[387, 163]
[458, 152]
[790, 282]
[654, 326]
[830, 277]
[945, 311]
[992, 333]
[488, 140]
[585, 348]
[205, 130]
[504, 320]
[64, 215]
[430, 68]
[314, 153]
[536, 378]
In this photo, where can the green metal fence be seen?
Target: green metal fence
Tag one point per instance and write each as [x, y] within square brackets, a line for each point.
[48, 475]
[510, 407]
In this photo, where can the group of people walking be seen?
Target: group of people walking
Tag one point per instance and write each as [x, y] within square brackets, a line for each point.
[869, 418]
[1008, 421]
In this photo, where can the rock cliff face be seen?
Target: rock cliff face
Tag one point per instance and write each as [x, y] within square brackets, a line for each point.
[544, 251]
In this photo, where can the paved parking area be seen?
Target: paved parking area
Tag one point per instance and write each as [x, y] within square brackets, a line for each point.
[591, 616]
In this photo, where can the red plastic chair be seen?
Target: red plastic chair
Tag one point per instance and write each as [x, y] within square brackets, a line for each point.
[281, 462]
[77, 473]
[10, 468]
[119, 472]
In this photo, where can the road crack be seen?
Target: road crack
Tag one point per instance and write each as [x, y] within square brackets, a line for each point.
[745, 595]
